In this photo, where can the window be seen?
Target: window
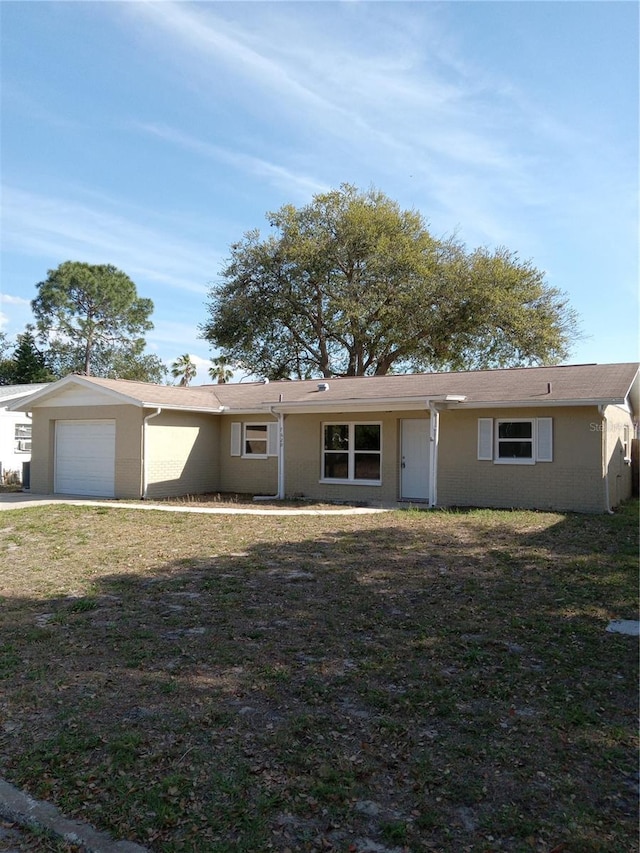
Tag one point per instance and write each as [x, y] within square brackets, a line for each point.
[22, 436]
[518, 441]
[254, 440]
[351, 453]
[515, 440]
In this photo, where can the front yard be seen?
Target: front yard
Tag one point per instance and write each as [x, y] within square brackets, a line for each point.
[410, 681]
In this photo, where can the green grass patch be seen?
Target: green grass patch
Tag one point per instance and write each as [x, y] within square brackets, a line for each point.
[239, 683]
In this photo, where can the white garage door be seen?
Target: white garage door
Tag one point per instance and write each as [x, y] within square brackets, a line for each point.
[85, 458]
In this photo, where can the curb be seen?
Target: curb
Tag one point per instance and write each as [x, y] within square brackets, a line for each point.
[24, 810]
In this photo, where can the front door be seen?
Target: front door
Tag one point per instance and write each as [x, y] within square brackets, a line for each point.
[414, 472]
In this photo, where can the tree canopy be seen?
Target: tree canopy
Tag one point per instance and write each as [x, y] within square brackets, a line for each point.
[183, 369]
[221, 370]
[352, 285]
[27, 363]
[92, 321]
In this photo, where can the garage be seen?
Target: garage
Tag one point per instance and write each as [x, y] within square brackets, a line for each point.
[85, 458]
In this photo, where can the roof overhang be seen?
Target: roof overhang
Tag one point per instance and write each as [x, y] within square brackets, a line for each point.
[55, 388]
[113, 396]
[541, 403]
[378, 404]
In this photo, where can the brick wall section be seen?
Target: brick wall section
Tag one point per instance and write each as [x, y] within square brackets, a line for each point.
[238, 474]
[303, 460]
[183, 454]
[190, 453]
[573, 481]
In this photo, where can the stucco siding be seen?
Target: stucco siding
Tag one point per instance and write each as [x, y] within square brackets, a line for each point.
[128, 452]
[182, 454]
[572, 481]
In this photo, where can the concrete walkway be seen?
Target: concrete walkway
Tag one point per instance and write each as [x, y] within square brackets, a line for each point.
[22, 500]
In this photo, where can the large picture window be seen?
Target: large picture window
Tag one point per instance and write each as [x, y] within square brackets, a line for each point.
[351, 452]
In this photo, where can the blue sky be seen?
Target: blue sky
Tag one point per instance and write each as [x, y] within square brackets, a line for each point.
[152, 135]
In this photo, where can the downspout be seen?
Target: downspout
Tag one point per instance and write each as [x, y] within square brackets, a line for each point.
[280, 455]
[605, 464]
[145, 463]
[280, 494]
[434, 438]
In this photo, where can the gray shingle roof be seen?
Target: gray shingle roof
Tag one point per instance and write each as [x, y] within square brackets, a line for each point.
[12, 392]
[571, 384]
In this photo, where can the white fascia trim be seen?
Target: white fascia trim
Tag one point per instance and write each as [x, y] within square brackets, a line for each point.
[84, 382]
[51, 390]
[5, 399]
[387, 404]
[531, 404]
[217, 410]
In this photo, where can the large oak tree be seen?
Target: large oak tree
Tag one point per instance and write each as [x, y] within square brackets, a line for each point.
[352, 285]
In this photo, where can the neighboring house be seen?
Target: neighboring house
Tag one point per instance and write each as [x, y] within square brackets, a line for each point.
[554, 438]
[15, 429]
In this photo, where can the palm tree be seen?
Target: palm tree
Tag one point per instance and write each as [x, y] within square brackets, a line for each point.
[220, 370]
[183, 369]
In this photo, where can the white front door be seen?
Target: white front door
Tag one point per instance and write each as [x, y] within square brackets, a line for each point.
[414, 472]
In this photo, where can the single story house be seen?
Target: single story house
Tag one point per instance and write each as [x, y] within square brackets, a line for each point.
[551, 438]
[15, 429]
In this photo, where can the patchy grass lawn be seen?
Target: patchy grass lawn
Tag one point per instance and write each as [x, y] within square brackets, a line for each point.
[412, 680]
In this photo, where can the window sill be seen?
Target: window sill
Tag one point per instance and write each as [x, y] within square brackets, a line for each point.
[514, 461]
[332, 482]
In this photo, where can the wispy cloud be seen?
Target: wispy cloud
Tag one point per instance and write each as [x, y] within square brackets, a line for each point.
[281, 176]
[61, 228]
[381, 94]
[204, 34]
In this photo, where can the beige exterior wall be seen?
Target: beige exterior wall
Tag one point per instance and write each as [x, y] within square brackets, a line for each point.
[183, 455]
[616, 428]
[128, 472]
[572, 481]
[243, 474]
[303, 458]
[191, 453]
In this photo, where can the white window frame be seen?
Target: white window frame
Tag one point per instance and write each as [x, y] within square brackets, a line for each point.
[351, 451]
[239, 439]
[510, 460]
[22, 437]
[541, 441]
